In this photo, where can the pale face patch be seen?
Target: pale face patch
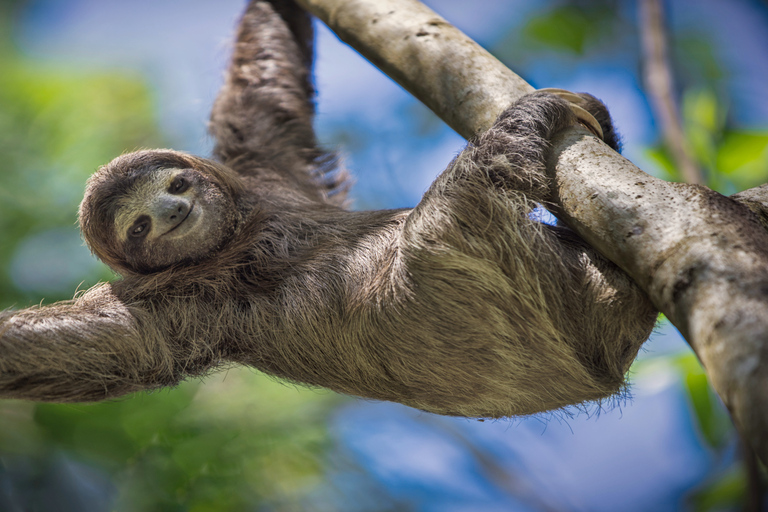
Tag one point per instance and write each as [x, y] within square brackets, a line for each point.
[139, 202]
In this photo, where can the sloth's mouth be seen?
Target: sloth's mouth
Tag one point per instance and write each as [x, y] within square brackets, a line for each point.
[174, 228]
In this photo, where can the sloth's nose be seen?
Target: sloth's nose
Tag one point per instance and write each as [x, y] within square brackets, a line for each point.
[171, 211]
[178, 211]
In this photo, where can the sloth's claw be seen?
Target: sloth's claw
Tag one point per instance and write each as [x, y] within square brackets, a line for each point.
[576, 103]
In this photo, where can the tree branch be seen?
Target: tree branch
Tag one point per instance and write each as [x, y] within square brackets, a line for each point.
[701, 257]
[457, 79]
[659, 83]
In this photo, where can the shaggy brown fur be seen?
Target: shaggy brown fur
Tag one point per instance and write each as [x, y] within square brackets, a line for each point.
[461, 306]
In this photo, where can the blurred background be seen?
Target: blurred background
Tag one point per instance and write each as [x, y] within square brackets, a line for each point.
[82, 81]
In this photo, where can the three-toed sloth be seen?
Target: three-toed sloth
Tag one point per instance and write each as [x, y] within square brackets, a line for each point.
[463, 305]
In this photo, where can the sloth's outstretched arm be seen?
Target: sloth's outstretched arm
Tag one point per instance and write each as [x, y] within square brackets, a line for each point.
[262, 118]
[90, 348]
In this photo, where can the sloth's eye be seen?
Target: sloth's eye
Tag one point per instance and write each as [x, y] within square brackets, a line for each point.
[178, 185]
[139, 229]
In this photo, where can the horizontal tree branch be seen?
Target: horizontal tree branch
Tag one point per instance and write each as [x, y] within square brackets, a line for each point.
[701, 257]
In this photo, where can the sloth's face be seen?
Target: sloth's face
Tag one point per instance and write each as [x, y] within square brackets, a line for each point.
[149, 210]
[172, 216]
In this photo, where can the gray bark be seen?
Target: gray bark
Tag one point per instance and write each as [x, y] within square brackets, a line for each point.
[701, 257]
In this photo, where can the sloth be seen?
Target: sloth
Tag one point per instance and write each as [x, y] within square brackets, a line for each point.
[464, 305]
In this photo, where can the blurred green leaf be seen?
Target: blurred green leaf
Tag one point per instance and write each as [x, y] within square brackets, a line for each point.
[694, 58]
[727, 492]
[562, 28]
[574, 27]
[659, 155]
[242, 438]
[703, 120]
[702, 109]
[711, 418]
[743, 158]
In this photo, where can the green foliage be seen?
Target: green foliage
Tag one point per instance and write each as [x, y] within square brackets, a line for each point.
[567, 27]
[694, 57]
[573, 31]
[732, 159]
[742, 158]
[711, 417]
[726, 492]
[724, 488]
[240, 439]
[56, 128]
[660, 156]
[709, 414]
[703, 119]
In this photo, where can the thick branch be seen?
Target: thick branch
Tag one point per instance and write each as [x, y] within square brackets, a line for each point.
[451, 74]
[701, 257]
